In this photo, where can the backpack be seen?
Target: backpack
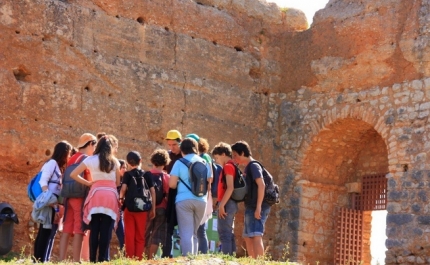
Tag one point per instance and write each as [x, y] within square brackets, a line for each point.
[71, 188]
[216, 169]
[197, 177]
[34, 189]
[138, 197]
[239, 184]
[158, 180]
[271, 191]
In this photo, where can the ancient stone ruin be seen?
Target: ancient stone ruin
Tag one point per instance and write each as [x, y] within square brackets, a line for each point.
[338, 112]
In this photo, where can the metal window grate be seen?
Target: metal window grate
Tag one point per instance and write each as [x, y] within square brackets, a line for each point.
[373, 193]
[349, 229]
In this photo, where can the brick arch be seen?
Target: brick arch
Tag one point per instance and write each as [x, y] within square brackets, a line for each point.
[343, 145]
[336, 140]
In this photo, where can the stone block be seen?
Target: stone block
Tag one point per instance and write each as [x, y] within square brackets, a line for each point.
[353, 187]
[399, 219]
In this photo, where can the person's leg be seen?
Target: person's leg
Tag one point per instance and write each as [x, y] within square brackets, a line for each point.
[199, 209]
[95, 224]
[149, 234]
[226, 230]
[185, 214]
[140, 226]
[255, 230]
[76, 208]
[202, 239]
[129, 229]
[167, 246]
[64, 242]
[41, 244]
[51, 242]
[85, 253]
[120, 231]
[248, 230]
[249, 247]
[106, 228]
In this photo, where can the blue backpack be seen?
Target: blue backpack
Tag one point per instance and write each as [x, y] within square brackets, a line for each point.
[34, 189]
[197, 178]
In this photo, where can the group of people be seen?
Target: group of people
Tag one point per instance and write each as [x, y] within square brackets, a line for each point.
[108, 205]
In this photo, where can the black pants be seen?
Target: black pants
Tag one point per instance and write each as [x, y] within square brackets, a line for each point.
[44, 242]
[101, 227]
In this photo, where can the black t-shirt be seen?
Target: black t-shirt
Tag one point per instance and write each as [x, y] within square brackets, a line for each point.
[173, 159]
[128, 176]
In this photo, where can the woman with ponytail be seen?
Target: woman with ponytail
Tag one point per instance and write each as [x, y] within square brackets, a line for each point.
[101, 211]
[50, 182]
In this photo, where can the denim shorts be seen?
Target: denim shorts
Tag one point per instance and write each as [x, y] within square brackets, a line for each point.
[255, 227]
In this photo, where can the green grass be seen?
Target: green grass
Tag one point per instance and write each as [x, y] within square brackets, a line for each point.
[15, 258]
[197, 259]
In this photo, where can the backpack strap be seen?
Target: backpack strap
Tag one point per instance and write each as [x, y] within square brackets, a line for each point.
[250, 172]
[185, 162]
[188, 164]
[54, 172]
[223, 175]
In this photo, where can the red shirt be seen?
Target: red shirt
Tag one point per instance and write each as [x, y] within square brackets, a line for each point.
[74, 159]
[228, 169]
[166, 178]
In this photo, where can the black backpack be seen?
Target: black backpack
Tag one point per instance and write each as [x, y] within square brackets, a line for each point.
[70, 187]
[271, 191]
[197, 177]
[158, 181]
[216, 169]
[239, 184]
[138, 196]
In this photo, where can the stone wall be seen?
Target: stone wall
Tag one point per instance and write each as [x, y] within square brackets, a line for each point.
[320, 107]
[334, 136]
[135, 69]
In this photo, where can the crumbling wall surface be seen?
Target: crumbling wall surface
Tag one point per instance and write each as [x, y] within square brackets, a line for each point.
[359, 44]
[134, 69]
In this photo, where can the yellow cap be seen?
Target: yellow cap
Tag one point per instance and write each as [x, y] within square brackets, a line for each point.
[173, 135]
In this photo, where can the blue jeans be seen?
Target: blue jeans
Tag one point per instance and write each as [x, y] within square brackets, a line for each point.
[226, 228]
[255, 227]
[203, 239]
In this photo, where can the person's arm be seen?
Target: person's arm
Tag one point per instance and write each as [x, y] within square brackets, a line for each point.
[260, 194]
[152, 213]
[227, 194]
[174, 176]
[122, 192]
[117, 172]
[173, 182]
[47, 172]
[78, 170]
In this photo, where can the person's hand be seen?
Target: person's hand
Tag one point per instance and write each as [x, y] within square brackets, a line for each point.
[152, 214]
[221, 212]
[257, 213]
[90, 183]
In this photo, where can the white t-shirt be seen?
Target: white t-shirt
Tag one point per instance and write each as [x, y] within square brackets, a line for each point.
[51, 177]
[93, 164]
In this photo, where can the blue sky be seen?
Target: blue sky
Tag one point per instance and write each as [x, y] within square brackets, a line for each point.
[309, 7]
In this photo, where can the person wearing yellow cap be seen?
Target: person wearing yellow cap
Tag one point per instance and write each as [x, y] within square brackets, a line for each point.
[173, 139]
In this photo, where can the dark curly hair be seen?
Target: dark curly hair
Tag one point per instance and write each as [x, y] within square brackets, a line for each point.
[160, 157]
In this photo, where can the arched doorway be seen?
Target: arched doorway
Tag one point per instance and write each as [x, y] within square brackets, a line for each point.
[340, 158]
